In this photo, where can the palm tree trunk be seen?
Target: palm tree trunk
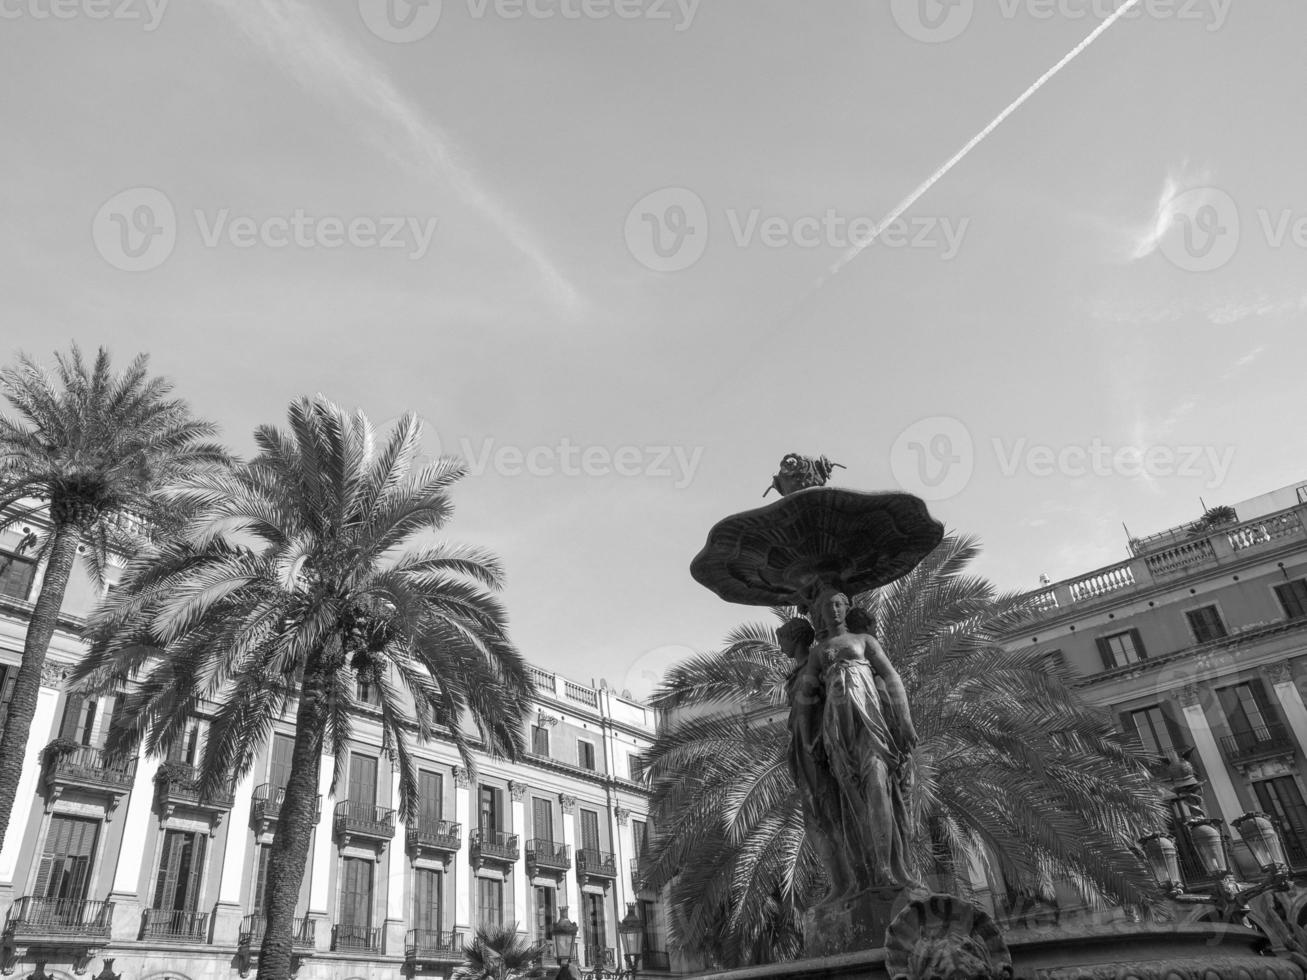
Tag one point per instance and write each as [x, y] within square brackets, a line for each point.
[40, 630]
[290, 842]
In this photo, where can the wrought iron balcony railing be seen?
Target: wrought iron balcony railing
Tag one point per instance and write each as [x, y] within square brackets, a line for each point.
[598, 863]
[267, 801]
[303, 931]
[1258, 743]
[180, 783]
[438, 836]
[600, 957]
[432, 944]
[88, 766]
[356, 937]
[547, 855]
[175, 926]
[493, 845]
[53, 919]
[365, 820]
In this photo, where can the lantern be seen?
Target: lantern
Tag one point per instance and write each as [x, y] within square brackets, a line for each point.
[1209, 841]
[1162, 857]
[1259, 834]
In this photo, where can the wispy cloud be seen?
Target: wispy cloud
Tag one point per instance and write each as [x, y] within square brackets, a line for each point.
[327, 65]
[1146, 239]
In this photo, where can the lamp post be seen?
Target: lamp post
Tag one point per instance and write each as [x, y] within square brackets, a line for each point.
[632, 932]
[565, 946]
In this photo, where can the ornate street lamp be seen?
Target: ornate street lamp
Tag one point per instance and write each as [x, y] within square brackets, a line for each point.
[632, 932]
[1259, 834]
[1163, 860]
[565, 944]
[1211, 843]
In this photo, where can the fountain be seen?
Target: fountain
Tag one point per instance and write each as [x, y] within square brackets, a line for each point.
[851, 743]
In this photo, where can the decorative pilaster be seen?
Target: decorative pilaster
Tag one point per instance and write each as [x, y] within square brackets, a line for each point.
[227, 913]
[397, 865]
[461, 778]
[572, 888]
[40, 733]
[1218, 777]
[518, 793]
[324, 857]
[464, 875]
[623, 816]
[569, 804]
[132, 865]
[1291, 701]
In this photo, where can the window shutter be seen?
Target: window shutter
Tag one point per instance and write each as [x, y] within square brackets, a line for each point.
[197, 872]
[165, 886]
[1139, 644]
[542, 819]
[73, 705]
[1105, 653]
[8, 678]
[261, 879]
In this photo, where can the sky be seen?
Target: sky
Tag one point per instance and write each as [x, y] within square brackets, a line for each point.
[591, 243]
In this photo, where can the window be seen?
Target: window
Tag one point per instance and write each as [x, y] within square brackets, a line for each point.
[594, 930]
[1281, 798]
[368, 693]
[653, 936]
[539, 739]
[64, 871]
[1293, 597]
[283, 749]
[363, 781]
[589, 830]
[431, 798]
[1121, 649]
[1247, 713]
[354, 924]
[490, 902]
[542, 819]
[8, 678]
[636, 763]
[1206, 624]
[639, 837]
[1154, 730]
[545, 914]
[491, 811]
[261, 858]
[85, 720]
[426, 900]
[16, 575]
[181, 865]
[585, 754]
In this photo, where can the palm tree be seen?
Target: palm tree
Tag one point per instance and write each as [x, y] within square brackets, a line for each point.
[308, 570]
[499, 953]
[85, 449]
[1013, 774]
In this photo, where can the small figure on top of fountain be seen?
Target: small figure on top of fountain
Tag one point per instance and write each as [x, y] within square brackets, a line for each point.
[800, 473]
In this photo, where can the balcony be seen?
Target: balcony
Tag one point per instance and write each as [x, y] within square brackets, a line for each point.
[266, 804]
[303, 932]
[170, 925]
[441, 838]
[432, 946]
[656, 959]
[1258, 744]
[178, 784]
[362, 938]
[593, 864]
[498, 846]
[545, 855]
[600, 957]
[365, 822]
[86, 767]
[58, 921]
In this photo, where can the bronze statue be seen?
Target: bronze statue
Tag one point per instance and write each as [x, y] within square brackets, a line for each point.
[851, 746]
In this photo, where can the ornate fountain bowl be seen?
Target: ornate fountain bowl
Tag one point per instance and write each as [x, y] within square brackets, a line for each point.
[781, 553]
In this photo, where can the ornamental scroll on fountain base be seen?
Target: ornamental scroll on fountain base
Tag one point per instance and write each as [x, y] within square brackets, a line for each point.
[851, 744]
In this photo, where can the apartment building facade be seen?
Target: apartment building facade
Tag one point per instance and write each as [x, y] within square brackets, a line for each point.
[1197, 645]
[120, 867]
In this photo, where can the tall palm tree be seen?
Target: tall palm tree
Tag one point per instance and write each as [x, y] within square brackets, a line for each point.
[1013, 773]
[84, 449]
[308, 570]
[499, 953]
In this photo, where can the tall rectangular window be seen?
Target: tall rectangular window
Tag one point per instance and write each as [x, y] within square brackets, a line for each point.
[16, 575]
[1293, 598]
[367, 693]
[653, 935]
[1281, 798]
[262, 856]
[490, 902]
[635, 764]
[542, 819]
[639, 837]
[1246, 712]
[431, 798]
[1154, 732]
[362, 780]
[181, 867]
[1206, 624]
[540, 740]
[283, 748]
[589, 830]
[490, 811]
[585, 754]
[64, 871]
[85, 720]
[8, 678]
[1121, 649]
[354, 926]
[427, 915]
[594, 929]
[545, 913]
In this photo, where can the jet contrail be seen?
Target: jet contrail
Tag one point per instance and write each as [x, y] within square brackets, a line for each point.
[857, 249]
